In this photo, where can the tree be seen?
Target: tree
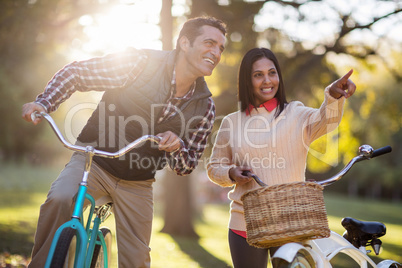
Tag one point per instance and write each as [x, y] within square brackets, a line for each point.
[311, 65]
[36, 47]
[33, 38]
[308, 66]
[178, 209]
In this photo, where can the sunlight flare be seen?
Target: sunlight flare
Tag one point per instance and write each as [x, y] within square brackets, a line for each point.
[124, 25]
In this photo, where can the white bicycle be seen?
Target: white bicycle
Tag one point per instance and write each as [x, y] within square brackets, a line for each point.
[358, 235]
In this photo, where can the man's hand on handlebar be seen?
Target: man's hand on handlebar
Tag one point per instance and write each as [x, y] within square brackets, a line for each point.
[169, 142]
[29, 108]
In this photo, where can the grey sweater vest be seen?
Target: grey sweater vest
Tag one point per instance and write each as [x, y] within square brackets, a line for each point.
[126, 114]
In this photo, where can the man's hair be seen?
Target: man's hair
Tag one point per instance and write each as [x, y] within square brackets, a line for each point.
[192, 28]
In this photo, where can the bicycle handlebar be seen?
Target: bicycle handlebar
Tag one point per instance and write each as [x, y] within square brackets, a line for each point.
[366, 153]
[94, 151]
[381, 151]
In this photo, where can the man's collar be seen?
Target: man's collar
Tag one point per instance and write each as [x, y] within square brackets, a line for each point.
[268, 105]
[188, 95]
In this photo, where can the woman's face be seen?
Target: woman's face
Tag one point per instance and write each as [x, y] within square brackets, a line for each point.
[265, 80]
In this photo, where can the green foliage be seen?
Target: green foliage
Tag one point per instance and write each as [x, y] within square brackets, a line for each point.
[375, 119]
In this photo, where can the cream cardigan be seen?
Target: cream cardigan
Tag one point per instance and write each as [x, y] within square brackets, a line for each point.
[275, 148]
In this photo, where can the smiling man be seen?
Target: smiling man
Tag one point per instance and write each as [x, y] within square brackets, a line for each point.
[145, 92]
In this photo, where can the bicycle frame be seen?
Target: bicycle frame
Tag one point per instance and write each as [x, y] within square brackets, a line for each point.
[325, 249]
[335, 244]
[85, 236]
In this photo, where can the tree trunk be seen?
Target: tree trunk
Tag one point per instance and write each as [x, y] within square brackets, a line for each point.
[178, 207]
[396, 194]
[353, 188]
[166, 25]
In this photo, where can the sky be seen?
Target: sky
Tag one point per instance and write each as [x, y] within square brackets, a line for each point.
[137, 24]
[124, 25]
[325, 12]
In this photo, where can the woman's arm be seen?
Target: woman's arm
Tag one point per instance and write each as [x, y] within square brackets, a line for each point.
[221, 164]
[318, 122]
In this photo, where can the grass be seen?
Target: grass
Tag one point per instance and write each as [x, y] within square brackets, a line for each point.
[23, 189]
[390, 214]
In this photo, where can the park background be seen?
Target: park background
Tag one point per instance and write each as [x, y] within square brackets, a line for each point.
[316, 42]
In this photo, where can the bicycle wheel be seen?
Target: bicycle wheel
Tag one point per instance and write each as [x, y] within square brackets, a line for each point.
[301, 260]
[64, 244]
[98, 256]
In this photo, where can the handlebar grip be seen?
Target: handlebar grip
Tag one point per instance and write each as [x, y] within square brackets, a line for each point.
[246, 173]
[381, 151]
[35, 115]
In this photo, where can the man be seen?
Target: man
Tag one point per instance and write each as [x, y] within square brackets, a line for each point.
[145, 92]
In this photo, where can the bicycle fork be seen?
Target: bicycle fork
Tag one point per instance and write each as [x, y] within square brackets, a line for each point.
[74, 223]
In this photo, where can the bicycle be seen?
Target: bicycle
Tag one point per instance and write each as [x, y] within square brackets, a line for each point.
[93, 243]
[358, 235]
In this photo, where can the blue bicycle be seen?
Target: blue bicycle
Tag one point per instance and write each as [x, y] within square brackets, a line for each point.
[79, 242]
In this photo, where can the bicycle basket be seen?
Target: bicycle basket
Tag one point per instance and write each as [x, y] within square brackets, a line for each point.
[283, 213]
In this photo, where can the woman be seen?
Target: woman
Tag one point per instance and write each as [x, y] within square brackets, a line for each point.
[268, 137]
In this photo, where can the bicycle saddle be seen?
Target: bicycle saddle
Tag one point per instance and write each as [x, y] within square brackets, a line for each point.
[359, 233]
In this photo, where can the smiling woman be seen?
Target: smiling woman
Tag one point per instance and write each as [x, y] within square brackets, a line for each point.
[134, 24]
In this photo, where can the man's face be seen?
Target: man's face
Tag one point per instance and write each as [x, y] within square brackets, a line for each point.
[205, 52]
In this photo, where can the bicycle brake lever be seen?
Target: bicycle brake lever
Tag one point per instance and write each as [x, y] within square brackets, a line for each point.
[255, 177]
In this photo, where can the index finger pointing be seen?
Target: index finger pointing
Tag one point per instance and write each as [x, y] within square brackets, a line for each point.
[346, 76]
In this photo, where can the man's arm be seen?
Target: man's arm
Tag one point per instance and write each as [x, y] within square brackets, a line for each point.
[185, 159]
[101, 73]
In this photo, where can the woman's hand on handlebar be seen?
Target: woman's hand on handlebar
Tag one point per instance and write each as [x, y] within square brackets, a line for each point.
[237, 175]
[29, 108]
[169, 142]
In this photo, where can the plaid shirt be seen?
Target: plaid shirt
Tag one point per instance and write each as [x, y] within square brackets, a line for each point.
[115, 71]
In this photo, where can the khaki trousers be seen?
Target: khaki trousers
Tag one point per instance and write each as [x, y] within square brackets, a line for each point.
[132, 208]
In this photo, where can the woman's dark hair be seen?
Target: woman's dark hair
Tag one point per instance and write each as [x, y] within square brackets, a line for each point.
[192, 28]
[245, 87]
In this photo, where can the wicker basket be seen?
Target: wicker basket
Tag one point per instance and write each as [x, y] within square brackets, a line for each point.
[284, 213]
